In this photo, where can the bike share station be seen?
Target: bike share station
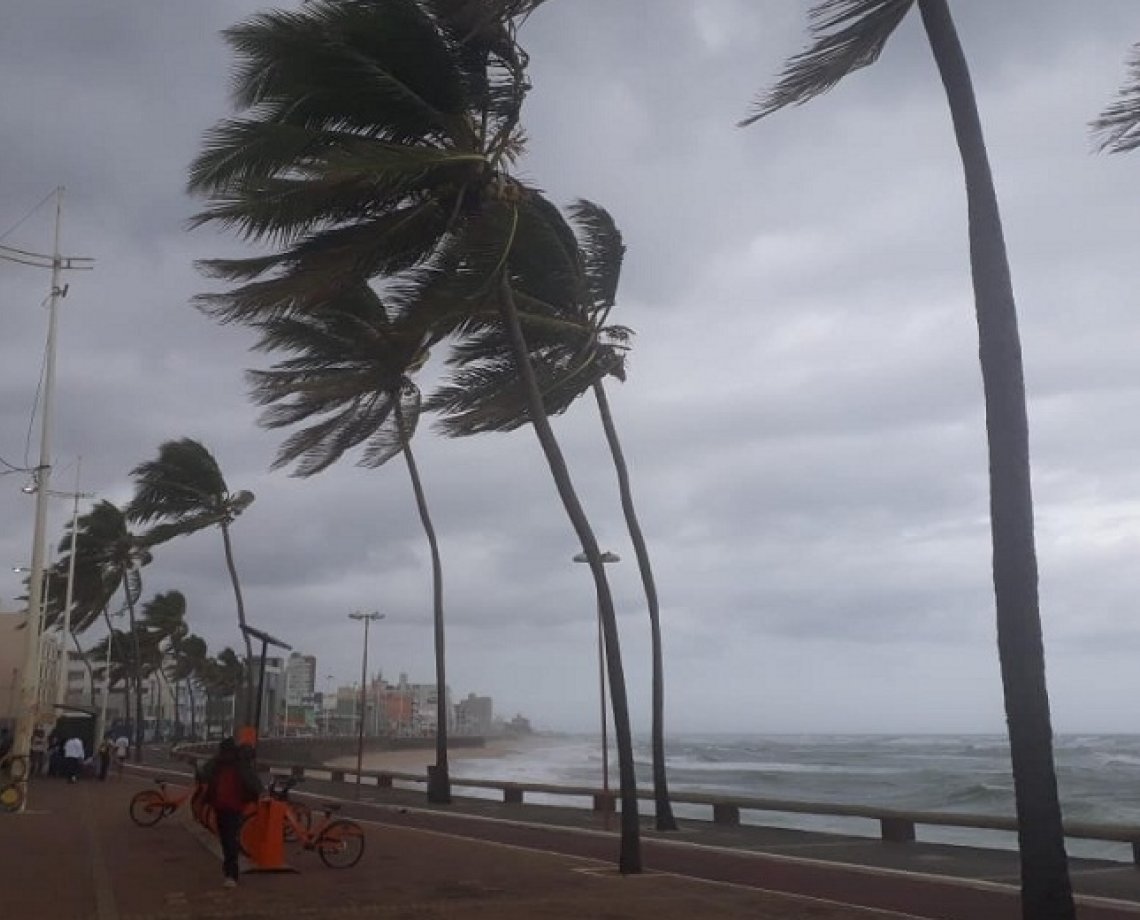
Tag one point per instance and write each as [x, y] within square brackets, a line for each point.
[273, 820]
[263, 833]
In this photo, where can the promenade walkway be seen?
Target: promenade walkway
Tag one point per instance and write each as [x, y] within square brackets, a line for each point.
[76, 854]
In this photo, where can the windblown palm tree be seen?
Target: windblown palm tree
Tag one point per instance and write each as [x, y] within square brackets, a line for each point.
[1118, 127]
[188, 667]
[349, 381]
[221, 678]
[184, 491]
[164, 618]
[849, 34]
[376, 141]
[484, 395]
[121, 660]
[113, 556]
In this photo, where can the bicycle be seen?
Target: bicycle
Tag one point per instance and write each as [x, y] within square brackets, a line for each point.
[150, 806]
[13, 775]
[13, 768]
[338, 842]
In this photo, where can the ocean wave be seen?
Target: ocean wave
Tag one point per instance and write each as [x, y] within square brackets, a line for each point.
[745, 767]
[980, 794]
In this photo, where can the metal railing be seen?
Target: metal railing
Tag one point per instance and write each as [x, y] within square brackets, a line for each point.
[895, 825]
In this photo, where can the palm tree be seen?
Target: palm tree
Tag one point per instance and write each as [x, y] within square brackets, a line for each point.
[164, 618]
[190, 655]
[121, 662]
[350, 380]
[221, 678]
[184, 491]
[1118, 126]
[484, 395]
[849, 34]
[110, 556]
[376, 142]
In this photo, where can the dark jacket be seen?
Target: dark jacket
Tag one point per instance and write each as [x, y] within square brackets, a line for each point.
[242, 764]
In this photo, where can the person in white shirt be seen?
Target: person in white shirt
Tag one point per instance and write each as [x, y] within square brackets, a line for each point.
[73, 754]
[122, 745]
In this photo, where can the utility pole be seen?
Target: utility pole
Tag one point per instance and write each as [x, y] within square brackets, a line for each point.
[30, 676]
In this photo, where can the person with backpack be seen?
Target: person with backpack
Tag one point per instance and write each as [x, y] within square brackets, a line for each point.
[231, 783]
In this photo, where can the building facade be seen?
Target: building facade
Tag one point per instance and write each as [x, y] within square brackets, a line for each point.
[300, 678]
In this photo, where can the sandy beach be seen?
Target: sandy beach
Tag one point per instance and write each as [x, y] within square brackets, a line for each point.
[416, 760]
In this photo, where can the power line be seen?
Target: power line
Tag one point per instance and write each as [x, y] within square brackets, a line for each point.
[17, 224]
[35, 406]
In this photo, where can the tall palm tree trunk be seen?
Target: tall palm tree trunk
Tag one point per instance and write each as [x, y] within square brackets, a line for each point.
[250, 680]
[126, 682]
[439, 782]
[1046, 893]
[664, 808]
[630, 855]
[90, 671]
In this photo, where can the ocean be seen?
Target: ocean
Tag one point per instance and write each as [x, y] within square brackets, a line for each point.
[1098, 777]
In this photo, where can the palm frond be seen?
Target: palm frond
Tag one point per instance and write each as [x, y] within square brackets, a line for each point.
[1117, 129]
[318, 446]
[603, 250]
[368, 64]
[846, 36]
[184, 480]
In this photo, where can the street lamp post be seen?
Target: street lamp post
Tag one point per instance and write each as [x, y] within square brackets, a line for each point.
[606, 557]
[101, 726]
[30, 679]
[368, 619]
[65, 634]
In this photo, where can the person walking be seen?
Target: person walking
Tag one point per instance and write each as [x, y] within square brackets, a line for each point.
[38, 752]
[73, 755]
[104, 758]
[122, 745]
[231, 784]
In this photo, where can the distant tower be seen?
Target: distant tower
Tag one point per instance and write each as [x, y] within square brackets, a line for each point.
[300, 678]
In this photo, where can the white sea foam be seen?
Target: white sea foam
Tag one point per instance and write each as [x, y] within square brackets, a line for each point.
[1098, 776]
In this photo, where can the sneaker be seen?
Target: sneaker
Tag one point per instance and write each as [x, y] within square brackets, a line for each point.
[229, 882]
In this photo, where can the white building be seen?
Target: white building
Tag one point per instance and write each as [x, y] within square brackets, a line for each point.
[13, 644]
[300, 679]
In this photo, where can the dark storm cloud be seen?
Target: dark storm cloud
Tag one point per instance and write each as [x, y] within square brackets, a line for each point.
[803, 416]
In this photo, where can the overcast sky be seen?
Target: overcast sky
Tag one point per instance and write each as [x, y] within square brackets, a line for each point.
[803, 415]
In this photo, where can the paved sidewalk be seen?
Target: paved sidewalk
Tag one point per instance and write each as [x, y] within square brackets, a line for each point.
[75, 855]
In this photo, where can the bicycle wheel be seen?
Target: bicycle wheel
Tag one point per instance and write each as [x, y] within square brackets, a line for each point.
[303, 815]
[11, 797]
[341, 844]
[148, 807]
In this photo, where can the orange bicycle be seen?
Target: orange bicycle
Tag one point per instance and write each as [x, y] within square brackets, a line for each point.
[338, 842]
[13, 774]
[152, 805]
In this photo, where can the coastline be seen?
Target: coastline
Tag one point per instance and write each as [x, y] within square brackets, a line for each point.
[416, 760]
